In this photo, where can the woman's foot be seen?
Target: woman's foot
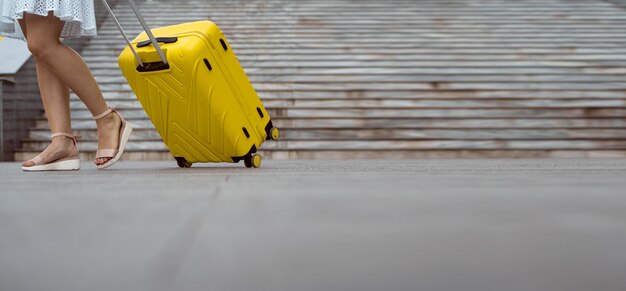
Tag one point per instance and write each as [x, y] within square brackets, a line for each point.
[61, 147]
[108, 134]
[58, 156]
[113, 134]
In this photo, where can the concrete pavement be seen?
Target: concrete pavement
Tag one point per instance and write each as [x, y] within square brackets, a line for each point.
[317, 225]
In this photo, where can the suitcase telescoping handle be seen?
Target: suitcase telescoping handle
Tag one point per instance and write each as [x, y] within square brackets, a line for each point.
[145, 28]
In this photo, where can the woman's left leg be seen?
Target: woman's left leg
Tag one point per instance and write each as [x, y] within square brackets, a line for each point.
[56, 101]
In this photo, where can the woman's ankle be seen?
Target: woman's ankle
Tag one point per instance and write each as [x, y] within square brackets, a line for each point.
[109, 119]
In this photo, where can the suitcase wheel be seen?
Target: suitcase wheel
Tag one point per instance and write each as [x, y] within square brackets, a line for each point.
[183, 163]
[252, 161]
[275, 133]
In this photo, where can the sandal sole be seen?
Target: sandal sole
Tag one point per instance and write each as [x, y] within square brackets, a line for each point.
[67, 165]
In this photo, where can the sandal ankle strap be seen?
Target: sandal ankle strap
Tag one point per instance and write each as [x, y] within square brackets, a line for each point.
[107, 112]
[72, 136]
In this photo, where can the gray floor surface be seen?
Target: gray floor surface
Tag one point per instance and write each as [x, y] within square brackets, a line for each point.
[317, 225]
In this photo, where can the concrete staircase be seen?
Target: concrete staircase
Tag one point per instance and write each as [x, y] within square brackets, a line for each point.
[401, 78]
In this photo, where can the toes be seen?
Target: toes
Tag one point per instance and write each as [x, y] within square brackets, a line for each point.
[100, 161]
[28, 164]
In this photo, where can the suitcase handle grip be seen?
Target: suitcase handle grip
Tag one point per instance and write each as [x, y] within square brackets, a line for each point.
[158, 39]
[145, 28]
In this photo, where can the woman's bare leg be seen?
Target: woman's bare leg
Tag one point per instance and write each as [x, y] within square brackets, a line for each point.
[43, 41]
[55, 96]
[56, 101]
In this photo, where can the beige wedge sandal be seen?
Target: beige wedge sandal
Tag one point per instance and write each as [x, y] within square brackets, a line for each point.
[69, 163]
[115, 154]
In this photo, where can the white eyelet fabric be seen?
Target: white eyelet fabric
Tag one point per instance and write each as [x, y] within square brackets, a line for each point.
[78, 15]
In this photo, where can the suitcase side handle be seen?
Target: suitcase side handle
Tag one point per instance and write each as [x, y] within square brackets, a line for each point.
[145, 28]
[158, 39]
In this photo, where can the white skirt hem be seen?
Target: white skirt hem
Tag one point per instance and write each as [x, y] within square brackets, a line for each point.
[74, 25]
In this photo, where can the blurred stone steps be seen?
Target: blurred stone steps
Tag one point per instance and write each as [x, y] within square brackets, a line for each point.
[400, 79]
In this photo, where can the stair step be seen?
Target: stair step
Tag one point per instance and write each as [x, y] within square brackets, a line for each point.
[417, 112]
[409, 103]
[393, 134]
[618, 122]
[593, 44]
[400, 57]
[82, 123]
[416, 86]
[92, 145]
[414, 40]
[426, 71]
[320, 144]
[407, 64]
[43, 134]
[110, 81]
[114, 50]
[87, 157]
[423, 94]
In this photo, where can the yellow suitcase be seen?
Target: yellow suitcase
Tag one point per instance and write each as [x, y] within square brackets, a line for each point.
[196, 94]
